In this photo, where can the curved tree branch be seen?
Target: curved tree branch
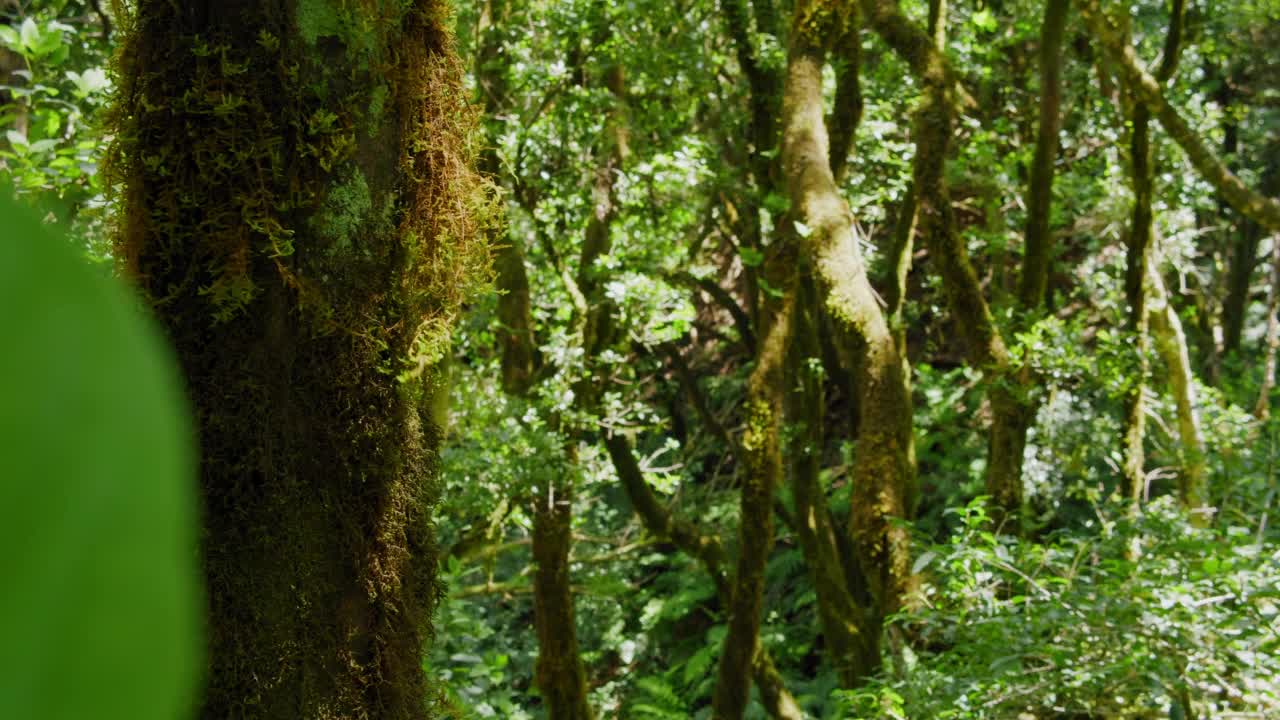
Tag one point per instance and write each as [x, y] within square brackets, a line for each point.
[1257, 207]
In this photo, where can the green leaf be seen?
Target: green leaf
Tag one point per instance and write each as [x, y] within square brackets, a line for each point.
[100, 612]
[923, 561]
[91, 81]
[9, 37]
[43, 146]
[984, 20]
[30, 34]
[750, 256]
[770, 289]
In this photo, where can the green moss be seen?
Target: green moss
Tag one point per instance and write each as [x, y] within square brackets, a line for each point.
[345, 209]
[319, 18]
[377, 106]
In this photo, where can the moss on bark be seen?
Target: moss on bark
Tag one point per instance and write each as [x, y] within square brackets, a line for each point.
[884, 462]
[306, 258]
[850, 630]
[762, 458]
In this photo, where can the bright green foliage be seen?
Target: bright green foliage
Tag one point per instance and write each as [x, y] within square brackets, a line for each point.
[651, 649]
[1080, 624]
[101, 602]
[56, 83]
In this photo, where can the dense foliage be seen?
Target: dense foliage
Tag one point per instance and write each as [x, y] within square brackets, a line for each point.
[628, 464]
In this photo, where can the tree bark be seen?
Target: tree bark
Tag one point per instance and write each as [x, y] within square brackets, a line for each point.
[915, 46]
[1171, 344]
[850, 632]
[1038, 252]
[1235, 306]
[1262, 408]
[762, 473]
[985, 347]
[287, 221]
[884, 465]
[847, 114]
[898, 260]
[1140, 260]
[1138, 257]
[561, 677]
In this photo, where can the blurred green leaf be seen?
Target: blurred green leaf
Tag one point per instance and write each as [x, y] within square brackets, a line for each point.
[100, 612]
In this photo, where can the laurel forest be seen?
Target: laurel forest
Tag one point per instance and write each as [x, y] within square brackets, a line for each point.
[688, 359]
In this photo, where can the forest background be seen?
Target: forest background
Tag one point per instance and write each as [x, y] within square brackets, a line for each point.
[837, 360]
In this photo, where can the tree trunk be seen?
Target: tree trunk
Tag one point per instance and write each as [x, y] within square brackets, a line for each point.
[898, 260]
[1262, 408]
[884, 465]
[985, 347]
[850, 632]
[1038, 236]
[288, 172]
[1235, 306]
[561, 676]
[1138, 257]
[1139, 261]
[762, 460]
[519, 351]
[1171, 343]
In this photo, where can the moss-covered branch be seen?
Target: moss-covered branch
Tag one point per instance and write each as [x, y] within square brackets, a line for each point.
[1261, 209]
[914, 45]
[847, 113]
[884, 470]
[762, 474]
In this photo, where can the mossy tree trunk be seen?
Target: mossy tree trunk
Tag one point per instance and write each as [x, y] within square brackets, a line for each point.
[299, 206]
[1244, 253]
[761, 476]
[884, 465]
[1140, 252]
[1011, 388]
[561, 675]
[1138, 256]
[986, 349]
[1171, 345]
[1014, 405]
[1235, 306]
[1038, 253]
[760, 450]
[1262, 408]
[850, 630]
